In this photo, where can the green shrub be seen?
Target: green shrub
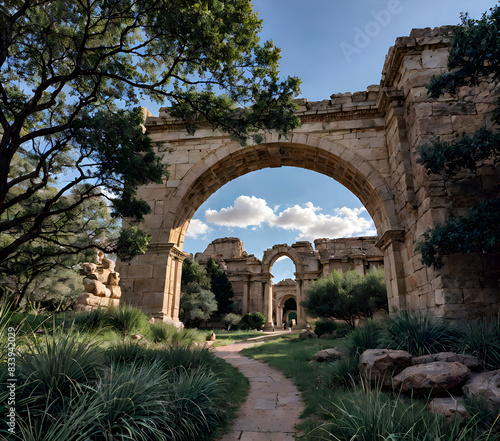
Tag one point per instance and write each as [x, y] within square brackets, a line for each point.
[324, 327]
[92, 321]
[193, 400]
[162, 332]
[59, 366]
[482, 339]
[185, 358]
[343, 329]
[128, 319]
[231, 320]
[131, 352]
[417, 333]
[134, 404]
[365, 336]
[365, 414]
[343, 372]
[255, 320]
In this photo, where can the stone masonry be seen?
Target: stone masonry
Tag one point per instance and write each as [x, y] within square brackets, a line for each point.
[364, 140]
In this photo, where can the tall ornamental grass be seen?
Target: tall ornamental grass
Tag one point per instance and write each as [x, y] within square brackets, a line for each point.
[417, 333]
[482, 339]
[69, 389]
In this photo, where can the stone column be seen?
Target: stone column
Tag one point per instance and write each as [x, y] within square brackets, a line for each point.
[268, 306]
[244, 307]
[392, 245]
[152, 281]
[301, 316]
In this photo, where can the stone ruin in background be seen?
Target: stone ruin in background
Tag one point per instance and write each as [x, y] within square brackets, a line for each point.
[101, 285]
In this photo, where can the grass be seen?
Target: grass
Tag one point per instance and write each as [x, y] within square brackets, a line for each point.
[224, 337]
[341, 408]
[82, 377]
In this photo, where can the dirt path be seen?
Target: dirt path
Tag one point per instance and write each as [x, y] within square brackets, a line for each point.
[273, 404]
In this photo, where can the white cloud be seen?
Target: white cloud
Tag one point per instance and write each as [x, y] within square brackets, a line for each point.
[246, 211]
[307, 219]
[197, 228]
[346, 222]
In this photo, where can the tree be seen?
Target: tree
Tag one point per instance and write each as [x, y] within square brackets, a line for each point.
[231, 320]
[474, 56]
[197, 301]
[346, 296]
[221, 287]
[66, 68]
[197, 304]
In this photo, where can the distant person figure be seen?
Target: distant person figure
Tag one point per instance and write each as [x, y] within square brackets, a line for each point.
[290, 326]
[284, 326]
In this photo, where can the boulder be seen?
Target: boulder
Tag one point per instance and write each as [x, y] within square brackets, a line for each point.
[450, 407]
[485, 384]
[307, 334]
[328, 355]
[379, 365]
[328, 336]
[468, 360]
[432, 378]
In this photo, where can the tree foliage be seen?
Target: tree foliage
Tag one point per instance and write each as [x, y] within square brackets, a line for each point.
[221, 287]
[197, 301]
[346, 296]
[66, 70]
[474, 56]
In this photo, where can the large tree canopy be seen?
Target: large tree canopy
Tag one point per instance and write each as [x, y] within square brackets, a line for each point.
[66, 68]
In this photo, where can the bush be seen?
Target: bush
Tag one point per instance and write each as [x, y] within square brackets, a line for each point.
[128, 319]
[57, 366]
[343, 329]
[365, 336]
[255, 320]
[343, 372]
[163, 332]
[482, 339]
[324, 327]
[417, 333]
[231, 319]
[365, 414]
[95, 320]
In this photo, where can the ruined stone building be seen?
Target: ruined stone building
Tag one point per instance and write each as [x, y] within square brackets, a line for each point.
[364, 140]
[252, 279]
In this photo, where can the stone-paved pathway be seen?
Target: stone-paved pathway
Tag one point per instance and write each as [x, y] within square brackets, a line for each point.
[273, 404]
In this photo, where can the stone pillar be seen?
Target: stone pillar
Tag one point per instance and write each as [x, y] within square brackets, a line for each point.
[392, 245]
[268, 306]
[153, 281]
[301, 316]
[244, 307]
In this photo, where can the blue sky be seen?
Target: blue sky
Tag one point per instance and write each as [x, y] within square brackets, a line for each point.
[333, 46]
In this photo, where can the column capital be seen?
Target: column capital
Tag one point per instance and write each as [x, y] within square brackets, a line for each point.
[167, 248]
[390, 236]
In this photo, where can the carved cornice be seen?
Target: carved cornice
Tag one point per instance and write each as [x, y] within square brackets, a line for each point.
[166, 248]
[312, 117]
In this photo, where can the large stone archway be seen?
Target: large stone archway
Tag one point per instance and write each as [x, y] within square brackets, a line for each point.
[366, 141]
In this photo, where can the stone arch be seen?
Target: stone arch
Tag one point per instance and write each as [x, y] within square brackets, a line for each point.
[304, 151]
[273, 254]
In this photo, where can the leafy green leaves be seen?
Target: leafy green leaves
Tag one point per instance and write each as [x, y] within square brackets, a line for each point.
[477, 232]
[448, 158]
